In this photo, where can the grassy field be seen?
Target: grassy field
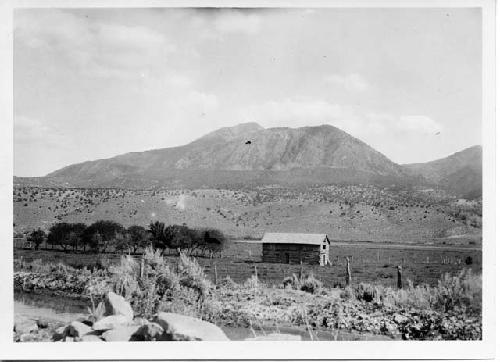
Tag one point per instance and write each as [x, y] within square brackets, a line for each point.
[370, 262]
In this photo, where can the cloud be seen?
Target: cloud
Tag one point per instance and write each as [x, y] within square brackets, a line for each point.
[92, 48]
[297, 112]
[29, 130]
[352, 82]
[233, 21]
[359, 123]
[422, 124]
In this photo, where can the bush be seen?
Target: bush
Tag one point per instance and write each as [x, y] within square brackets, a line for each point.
[468, 260]
[252, 282]
[368, 292]
[310, 284]
[462, 292]
[193, 276]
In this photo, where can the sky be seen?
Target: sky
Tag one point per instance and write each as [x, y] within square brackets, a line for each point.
[95, 83]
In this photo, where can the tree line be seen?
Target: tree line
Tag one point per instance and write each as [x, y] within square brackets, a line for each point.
[104, 235]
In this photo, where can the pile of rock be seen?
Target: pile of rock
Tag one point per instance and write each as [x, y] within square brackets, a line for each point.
[31, 330]
[118, 324]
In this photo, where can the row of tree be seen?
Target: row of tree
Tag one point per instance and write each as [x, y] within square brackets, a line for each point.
[105, 235]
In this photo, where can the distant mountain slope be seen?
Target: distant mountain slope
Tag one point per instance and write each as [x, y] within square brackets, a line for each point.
[460, 172]
[241, 154]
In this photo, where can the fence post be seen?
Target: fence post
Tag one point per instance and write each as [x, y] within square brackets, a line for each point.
[400, 277]
[142, 267]
[300, 271]
[255, 271]
[348, 272]
[215, 274]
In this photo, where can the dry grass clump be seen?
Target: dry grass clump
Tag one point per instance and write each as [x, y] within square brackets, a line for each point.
[309, 284]
[151, 285]
[462, 291]
[252, 283]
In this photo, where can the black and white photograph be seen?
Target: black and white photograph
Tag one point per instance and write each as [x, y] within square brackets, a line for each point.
[228, 173]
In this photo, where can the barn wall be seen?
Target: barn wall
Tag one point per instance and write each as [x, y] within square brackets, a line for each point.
[277, 253]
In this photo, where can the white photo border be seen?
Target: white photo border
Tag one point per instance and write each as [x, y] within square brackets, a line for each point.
[249, 350]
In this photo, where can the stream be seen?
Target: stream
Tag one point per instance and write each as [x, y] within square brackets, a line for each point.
[66, 310]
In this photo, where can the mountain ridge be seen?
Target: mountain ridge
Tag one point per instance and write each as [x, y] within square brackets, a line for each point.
[248, 154]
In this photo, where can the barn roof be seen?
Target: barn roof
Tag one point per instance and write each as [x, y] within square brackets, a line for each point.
[293, 238]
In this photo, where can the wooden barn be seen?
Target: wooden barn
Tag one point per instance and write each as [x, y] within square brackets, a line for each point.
[292, 248]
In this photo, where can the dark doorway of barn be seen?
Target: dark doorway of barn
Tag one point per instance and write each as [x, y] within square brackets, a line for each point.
[285, 257]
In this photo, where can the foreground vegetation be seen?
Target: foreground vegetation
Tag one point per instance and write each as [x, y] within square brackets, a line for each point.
[449, 310]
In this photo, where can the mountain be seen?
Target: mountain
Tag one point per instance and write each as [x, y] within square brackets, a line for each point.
[460, 173]
[242, 155]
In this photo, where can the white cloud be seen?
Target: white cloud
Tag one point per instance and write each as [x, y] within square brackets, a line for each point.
[93, 48]
[29, 130]
[294, 112]
[233, 21]
[422, 124]
[352, 82]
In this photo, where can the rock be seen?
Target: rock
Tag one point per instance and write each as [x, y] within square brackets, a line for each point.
[398, 318]
[26, 337]
[149, 332]
[276, 337]
[110, 322]
[123, 333]
[58, 334]
[140, 321]
[42, 323]
[85, 321]
[184, 328]
[69, 339]
[76, 329]
[91, 338]
[25, 325]
[117, 305]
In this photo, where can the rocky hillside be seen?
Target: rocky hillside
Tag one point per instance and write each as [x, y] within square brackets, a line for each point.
[460, 173]
[244, 154]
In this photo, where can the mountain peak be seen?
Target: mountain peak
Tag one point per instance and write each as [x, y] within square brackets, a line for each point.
[229, 133]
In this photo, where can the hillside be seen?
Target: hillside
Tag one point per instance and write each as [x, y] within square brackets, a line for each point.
[355, 213]
[460, 173]
[242, 155]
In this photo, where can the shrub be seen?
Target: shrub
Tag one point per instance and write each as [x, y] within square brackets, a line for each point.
[288, 282]
[310, 284]
[192, 276]
[368, 292]
[252, 282]
[463, 291]
[468, 260]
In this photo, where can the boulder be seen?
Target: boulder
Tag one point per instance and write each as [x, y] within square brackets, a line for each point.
[178, 327]
[91, 338]
[117, 305]
[149, 332]
[42, 323]
[276, 337]
[25, 325]
[123, 333]
[76, 329]
[111, 322]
